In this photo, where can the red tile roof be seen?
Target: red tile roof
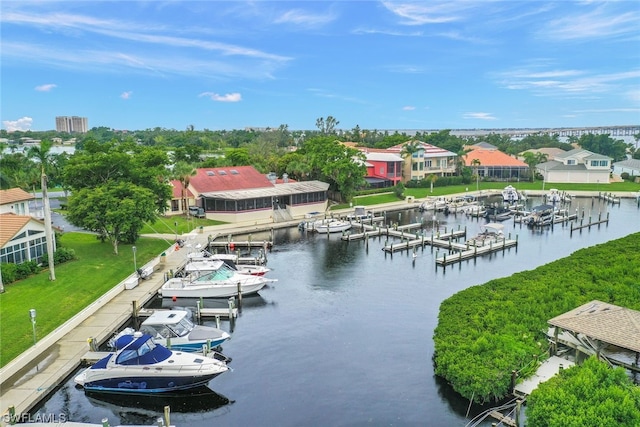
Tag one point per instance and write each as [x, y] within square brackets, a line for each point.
[492, 158]
[228, 178]
[13, 195]
[10, 224]
[176, 186]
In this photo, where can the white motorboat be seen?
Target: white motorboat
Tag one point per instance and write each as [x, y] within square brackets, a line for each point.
[498, 213]
[140, 366]
[204, 261]
[540, 215]
[490, 233]
[554, 197]
[510, 194]
[218, 282]
[173, 329]
[360, 213]
[330, 225]
[433, 204]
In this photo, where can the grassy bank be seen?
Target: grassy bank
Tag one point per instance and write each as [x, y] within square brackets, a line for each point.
[78, 283]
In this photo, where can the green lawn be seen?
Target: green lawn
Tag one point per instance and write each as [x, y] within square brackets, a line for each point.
[78, 283]
[420, 193]
[97, 269]
[177, 225]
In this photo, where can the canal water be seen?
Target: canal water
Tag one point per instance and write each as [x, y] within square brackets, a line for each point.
[344, 337]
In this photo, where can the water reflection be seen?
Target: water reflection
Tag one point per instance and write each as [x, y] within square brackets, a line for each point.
[145, 409]
[250, 301]
[345, 335]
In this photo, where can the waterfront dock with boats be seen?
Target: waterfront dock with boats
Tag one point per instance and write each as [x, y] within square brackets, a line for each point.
[34, 383]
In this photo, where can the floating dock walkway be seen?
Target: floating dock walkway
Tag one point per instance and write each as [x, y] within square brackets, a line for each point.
[469, 252]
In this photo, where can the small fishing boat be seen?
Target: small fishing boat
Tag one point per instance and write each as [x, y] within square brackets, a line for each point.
[330, 225]
[510, 194]
[140, 366]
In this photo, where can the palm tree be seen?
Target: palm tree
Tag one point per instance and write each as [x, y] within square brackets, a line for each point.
[42, 154]
[432, 178]
[533, 159]
[476, 164]
[183, 171]
[408, 149]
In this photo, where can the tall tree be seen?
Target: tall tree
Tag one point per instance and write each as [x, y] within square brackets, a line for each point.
[327, 126]
[183, 171]
[341, 166]
[475, 163]
[532, 160]
[42, 154]
[116, 210]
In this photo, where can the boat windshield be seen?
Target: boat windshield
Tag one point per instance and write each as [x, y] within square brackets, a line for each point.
[223, 273]
[183, 327]
[126, 356]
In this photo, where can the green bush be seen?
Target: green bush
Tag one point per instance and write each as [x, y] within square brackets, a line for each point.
[26, 269]
[486, 331]
[625, 176]
[8, 273]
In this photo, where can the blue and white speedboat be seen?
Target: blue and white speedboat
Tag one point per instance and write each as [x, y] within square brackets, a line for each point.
[173, 329]
[140, 366]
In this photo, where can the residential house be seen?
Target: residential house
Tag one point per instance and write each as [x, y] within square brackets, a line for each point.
[16, 201]
[426, 160]
[496, 165]
[576, 166]
[550, 152]
[630, 166]
[242, 194]
[22, 237]
[384, 168]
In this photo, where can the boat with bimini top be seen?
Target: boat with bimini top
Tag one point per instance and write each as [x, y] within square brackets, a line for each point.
[174, 329]
[140, 366]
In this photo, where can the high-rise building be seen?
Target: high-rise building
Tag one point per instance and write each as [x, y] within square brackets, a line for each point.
[71, 124]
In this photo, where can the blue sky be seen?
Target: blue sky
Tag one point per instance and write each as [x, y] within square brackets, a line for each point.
[376, 65]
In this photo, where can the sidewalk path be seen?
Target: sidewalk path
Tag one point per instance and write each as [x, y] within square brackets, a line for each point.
[29, 378]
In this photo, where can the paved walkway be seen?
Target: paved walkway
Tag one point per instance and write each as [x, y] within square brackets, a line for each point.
[29, 378]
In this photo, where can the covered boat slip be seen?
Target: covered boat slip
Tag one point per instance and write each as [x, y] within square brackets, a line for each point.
[599, 328]
[595, 328]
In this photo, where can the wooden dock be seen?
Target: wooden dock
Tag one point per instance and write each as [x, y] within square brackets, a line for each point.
[590, 223]
[609, 198]
[504, 419]
[474, 251]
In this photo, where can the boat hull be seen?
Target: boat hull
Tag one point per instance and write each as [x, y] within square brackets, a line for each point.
[189, 290]
[148, 384]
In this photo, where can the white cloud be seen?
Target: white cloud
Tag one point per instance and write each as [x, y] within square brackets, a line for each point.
[480, 116]
[408, 108]
[598, 23]
[45, 88]
[23, 124]
[300, 17]
[126, 95]
[229, 97]
[427, 12]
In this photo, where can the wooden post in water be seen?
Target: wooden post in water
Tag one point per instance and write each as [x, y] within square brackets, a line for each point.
[240, 295]
[167, 416]
[218, 321]
[198, 307]
[518, 409]
[232, 320]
